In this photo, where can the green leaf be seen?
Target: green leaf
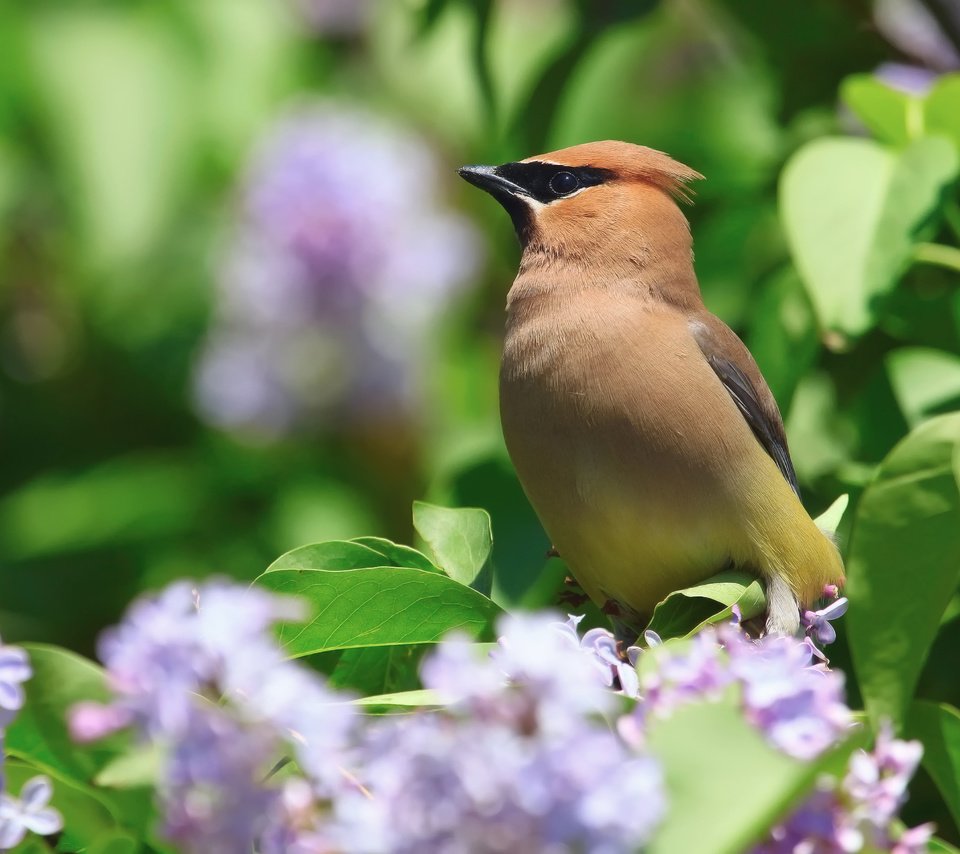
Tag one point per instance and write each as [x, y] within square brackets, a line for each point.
[890, 115]
[941, 109]
[829, 520]
[852, 209]
[39, 732]
[379, 606]
[925, 381]
[937, 725]
[331, 555]
[458, 540]
[397, 555]
[377, 669]
[687, 611]
[938, 846]
[711, 757]
[903, 564]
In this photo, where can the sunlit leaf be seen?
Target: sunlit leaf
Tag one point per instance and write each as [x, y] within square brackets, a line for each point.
[331, 555]
[925, 381]
[829, 520]
[886, 112]
[379, 606]
[687, 611]
[458, 540]
[852, 209]
[398, 555]
[941, 109]
[903, 564]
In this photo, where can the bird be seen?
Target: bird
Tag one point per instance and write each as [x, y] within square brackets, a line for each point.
[640, 427]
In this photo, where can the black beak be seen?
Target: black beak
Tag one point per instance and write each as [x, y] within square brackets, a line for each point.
[487, 178]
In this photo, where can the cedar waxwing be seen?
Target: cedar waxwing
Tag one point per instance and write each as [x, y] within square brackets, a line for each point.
[639, 424]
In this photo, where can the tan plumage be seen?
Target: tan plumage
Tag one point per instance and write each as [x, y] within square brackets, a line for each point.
[640, 426]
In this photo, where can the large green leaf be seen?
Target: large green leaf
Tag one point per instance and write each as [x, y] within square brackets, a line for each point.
[687, 611]
[458, 540]
[39, 732]
[925, 381]
[397, 555]
[378, 606]
[889, 114]
[377, 669]
[852, 209]
[725, 785]
[903, 564]
[937, 725]
[331, 555]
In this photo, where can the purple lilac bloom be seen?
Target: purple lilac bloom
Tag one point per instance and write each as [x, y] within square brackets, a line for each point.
[797, 704]
[858, 812]
[14, 671]
[817, 623]
[342, 260]
[29, 812]
[522, 763]
[197, 672]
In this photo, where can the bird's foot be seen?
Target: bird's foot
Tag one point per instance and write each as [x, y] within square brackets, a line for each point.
[552, 552]
[573, 596]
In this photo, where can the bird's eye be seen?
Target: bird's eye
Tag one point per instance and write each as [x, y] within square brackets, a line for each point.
[564, 183]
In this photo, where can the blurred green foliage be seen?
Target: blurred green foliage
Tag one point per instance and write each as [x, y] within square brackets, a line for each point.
[826, 234]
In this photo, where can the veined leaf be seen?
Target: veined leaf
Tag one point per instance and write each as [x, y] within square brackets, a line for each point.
[903, 564]
[378, 606]
[686, 611]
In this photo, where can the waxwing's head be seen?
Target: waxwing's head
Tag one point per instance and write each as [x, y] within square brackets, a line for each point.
[589, 196]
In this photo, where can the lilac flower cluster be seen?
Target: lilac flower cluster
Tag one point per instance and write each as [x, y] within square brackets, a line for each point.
[521, 763]
[537, 746]
[196, 672]
[30, 811]
[859, 812]
[342, 259]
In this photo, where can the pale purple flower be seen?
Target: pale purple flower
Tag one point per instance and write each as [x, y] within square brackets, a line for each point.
[14, 671]
[214, 794]
[174, 645]
[335, 17]
[817, 623]
[858, 812]
[29, 812]
[342, 260]
[910, 26]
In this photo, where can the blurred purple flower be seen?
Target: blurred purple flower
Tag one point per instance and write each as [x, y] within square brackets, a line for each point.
[214, 794]
[798, 706]
[909, 25]
[342, 261]
[29, 812]
[860, 811]
[521, 763]
[14, 671]
[335, 17]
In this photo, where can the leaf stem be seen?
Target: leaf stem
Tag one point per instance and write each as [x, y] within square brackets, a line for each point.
[938, 254]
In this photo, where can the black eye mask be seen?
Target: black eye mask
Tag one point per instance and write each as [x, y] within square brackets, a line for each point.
[547, 182]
